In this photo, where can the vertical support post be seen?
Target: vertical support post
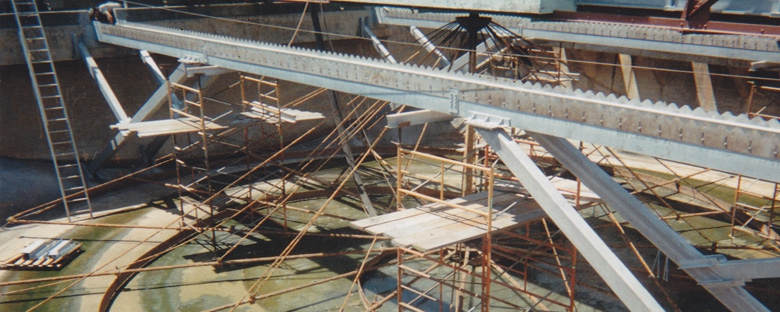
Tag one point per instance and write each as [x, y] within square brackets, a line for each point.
[750, 101]
[176, 159]
[775, 200]
[399, 289]
[704, 91]
[470, 158]
[487, 247]
[441, 184]
[399, 179]
[629, 77]
[737, 193]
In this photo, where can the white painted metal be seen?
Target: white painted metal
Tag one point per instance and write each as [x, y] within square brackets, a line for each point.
[637, 40]
[147, 58]
[419, 117]
[383, 52]
[600, 257]
[654, 129]
[505, 6]
[193, 71]
[703, 269]
[423, 40]
[105, 88]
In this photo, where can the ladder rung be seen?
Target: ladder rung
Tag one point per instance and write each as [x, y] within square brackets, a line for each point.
[31, 26]
[76, 188]
[58, 131]
[57, 119]
[80, 199]
[67, 166]
[50, 96]
[70, 177]
[53, 108]
[42, 61]
[61, 142]
[39, 50]
[64, 154]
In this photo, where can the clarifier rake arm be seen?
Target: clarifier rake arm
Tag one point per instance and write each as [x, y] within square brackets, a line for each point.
[732, 143]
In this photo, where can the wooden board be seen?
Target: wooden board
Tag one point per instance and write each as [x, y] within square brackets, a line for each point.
[166, 127]
[272, 114]
[434, 226]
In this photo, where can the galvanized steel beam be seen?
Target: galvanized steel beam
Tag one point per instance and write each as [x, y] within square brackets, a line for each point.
[103, 85]
[704, 269]
[515, 6]
[638, 40]
[601, 258]
[731, 143]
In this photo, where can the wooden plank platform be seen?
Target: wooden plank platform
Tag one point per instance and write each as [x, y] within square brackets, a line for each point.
[272, 114]
[166, 127]
[434, 226]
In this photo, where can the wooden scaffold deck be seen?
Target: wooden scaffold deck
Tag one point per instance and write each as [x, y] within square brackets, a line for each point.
[436, 225]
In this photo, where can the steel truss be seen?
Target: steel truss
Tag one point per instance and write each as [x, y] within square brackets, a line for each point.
[734, 144]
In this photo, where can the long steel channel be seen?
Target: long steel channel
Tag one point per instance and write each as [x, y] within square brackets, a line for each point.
[724, 142]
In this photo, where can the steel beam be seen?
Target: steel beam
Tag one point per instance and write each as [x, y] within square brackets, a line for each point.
[152, 65]
[103, 85]
[704, 91]
[378, 46]
[588, 243]
[637, 40]
[703, 269]
[750, 269]
[157, 100]
[732, 143]
[419, 117]
[193, 71]
[461, 64]
[516, 6]
[423, 40]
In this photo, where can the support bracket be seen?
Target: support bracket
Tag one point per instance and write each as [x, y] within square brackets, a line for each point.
[486, 121]
[419, 117]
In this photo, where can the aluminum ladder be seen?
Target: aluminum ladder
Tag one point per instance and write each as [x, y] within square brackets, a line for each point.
[54, 116]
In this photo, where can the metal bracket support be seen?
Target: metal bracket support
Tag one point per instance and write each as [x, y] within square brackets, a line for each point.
[454, 101]
[706, 262]
[209, 70]
[489, 122]
[419, 117]
[724, 283]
